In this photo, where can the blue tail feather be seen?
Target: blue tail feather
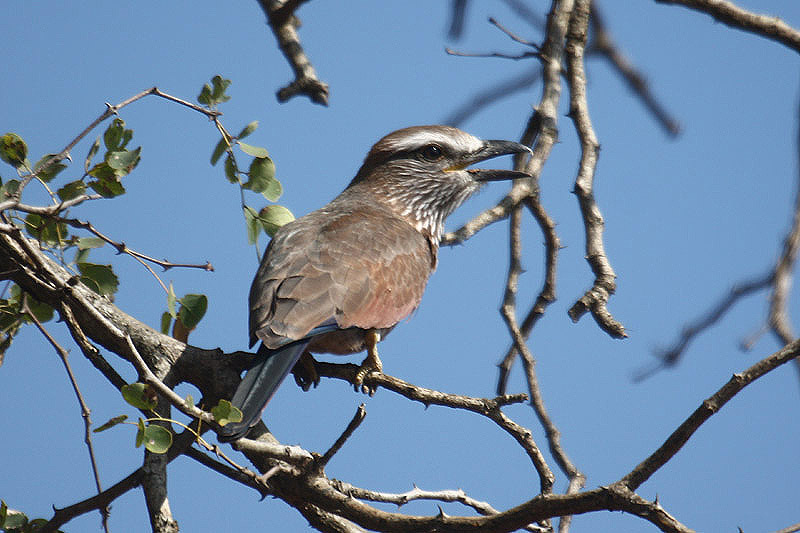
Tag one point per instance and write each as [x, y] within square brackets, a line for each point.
[269, 369]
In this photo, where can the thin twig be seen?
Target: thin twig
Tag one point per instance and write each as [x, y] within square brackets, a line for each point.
[670, 356]
[523, 10]
[603, 44]
[493, 94]
[782, 282]
[500, 55]
[708, 408]
[122, 248]
[112, 110]
[513, 36]
[547, 294]
[85, 411]
[487, 407]
[358, 417]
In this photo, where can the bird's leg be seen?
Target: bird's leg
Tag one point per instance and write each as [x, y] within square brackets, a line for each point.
[305, 371]
[372, 363]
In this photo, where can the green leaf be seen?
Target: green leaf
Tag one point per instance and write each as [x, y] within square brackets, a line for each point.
[14, 521]
[92, 152]
[155, 438]
[102, 171]
[252, 222]
[224, 412]
[211, 96]
[140, 432]
[166, 322]
[219, 149]
[108, 187]
[273, 217]
[123, 161]
[81, 256]
[42, 311]
[255, 151]
[140, 396]
[220, 86]
[111, 423]
[13, 149]
[100, 278]
[127, 135]
[84, 243]
[113, 136]
[262, 175]
[47, 174]
[193, 308]
[71, 190]
[9, 189]
[171, 302]
[230, 169]
[274, 190]
[45, 230]
[250, 128]
[189, 401]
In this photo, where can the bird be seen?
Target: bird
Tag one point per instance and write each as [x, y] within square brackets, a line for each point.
[339, 279]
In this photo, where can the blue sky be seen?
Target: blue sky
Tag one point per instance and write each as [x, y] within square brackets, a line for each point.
[686, 218]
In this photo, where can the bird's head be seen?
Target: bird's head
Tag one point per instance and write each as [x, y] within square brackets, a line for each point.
[422, 172]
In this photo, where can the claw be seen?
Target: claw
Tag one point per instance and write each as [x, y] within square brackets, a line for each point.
[372, 363]
[305, 372]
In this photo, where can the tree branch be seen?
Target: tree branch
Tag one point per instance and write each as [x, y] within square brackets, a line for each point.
[734, 16]
[596, 298]
[282, 21]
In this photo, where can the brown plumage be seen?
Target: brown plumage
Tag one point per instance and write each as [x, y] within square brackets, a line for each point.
[340, 278]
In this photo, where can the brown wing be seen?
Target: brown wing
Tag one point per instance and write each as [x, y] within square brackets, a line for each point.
[363, 267]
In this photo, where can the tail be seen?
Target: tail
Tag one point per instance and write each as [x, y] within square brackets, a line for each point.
[259, 384]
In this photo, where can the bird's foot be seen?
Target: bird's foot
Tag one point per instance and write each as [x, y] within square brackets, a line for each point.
[305, 372]
[372, 363]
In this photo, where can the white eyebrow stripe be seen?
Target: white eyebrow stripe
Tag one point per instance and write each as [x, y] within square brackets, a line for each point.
[463, 142]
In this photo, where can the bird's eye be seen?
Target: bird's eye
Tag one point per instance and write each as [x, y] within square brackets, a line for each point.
[432, 152]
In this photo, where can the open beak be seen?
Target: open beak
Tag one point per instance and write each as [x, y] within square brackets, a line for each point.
[492, 149]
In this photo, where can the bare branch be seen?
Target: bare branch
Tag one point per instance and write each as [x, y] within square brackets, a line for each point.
[122, 248]
[782, 282]
[415, 494]
[281, 18]
[708, 408]
[734, 16]
[458, 13]
[670, 356]
[547, 294]
[361, 412]
[63, 354]
[500, 55]
[112, 110]
[790, 529]
[596, 298]
[524, 12]
[489, 96]
[602, 43]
